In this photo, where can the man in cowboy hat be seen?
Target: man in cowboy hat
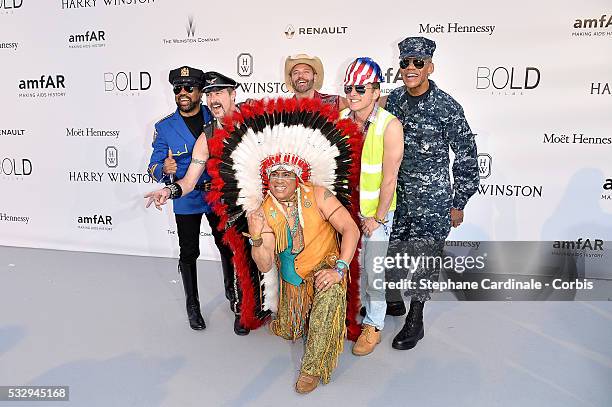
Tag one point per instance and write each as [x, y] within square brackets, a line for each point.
[304, 77]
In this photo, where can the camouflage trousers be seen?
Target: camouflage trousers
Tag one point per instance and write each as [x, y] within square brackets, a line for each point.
[417, 236]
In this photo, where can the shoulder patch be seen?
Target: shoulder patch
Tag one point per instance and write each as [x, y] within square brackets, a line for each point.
[164, 118]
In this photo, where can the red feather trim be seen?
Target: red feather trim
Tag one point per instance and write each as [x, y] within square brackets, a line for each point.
[241, 266]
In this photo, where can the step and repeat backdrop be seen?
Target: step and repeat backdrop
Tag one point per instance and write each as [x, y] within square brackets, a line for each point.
[84, 81]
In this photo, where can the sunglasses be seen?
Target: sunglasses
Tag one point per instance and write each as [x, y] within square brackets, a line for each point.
[360, 89]
[417, 62]
[177, 88]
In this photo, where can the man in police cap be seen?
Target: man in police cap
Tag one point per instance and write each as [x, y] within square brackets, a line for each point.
[427, 204]
[173, 143]
[220, 93]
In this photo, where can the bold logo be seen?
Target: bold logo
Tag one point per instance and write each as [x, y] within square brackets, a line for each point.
[45, 82]
[580, 247]
[508, 80]
[185, 71]
[10, 218]
[112, 156]
[574, 138]
[484, 165]
[244, 64]
[127, 81]
[598, 88]
[9, 45]
[15, 166]
[10, 4]
[289, 31]
[455, 28]
[190, 27]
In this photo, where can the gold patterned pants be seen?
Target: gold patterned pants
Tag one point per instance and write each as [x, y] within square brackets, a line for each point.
[317, 315]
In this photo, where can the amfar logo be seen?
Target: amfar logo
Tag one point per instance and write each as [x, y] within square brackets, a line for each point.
[574, 138]
[90, 39]
[599, 88]
[36, 88]
[607, 187]
[9, 45]
[485, 170]
[111, 155]
[318, 30]
[507, 81]
[244, 64]
[484, 165]
[579, 248]
[120, 82]
[455, 28]
[9, 5]
[45, 82]
[191, 37]
[15, 167]
[95, 222]
[593, 27]
[10, 218]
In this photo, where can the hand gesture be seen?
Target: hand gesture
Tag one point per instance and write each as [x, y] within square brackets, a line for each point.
[169, 164]
[159, 197]
[456, 217]
[256, 221]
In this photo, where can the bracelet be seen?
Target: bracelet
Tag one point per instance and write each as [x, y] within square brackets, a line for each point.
[341, 265]
[175, 190]
[380, 221]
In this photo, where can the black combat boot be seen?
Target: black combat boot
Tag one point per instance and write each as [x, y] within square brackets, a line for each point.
[190, 283]
[412, 331]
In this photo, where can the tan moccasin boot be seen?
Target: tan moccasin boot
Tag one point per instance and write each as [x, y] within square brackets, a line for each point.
[367, 341]
[306, 383]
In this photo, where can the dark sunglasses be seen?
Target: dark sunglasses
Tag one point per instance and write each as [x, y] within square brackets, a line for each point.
[360, 89]
[417, 62]
[177, 88]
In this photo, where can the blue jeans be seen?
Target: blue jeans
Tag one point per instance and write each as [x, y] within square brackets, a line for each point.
[373, 273]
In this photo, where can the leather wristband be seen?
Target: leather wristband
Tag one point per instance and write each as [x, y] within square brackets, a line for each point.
[175, 190]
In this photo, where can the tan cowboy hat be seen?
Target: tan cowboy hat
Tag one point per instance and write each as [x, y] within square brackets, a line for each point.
[314, 62]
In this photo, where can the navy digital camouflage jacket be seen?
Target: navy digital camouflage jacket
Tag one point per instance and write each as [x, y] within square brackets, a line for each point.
[425, 193]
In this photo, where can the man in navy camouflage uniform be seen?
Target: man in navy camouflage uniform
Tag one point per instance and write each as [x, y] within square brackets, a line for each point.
[427, 204]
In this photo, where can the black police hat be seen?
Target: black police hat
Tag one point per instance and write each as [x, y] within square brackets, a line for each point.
[186, 75]
[214, 81]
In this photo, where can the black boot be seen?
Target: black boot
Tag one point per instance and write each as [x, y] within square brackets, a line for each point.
[395, 309]
[190, 284]
[412, 331]
[238, 328]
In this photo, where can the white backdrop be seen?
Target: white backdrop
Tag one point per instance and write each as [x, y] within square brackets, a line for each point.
[46, 149]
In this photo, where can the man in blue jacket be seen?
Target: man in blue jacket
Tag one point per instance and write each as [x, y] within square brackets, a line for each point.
[173, 141]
